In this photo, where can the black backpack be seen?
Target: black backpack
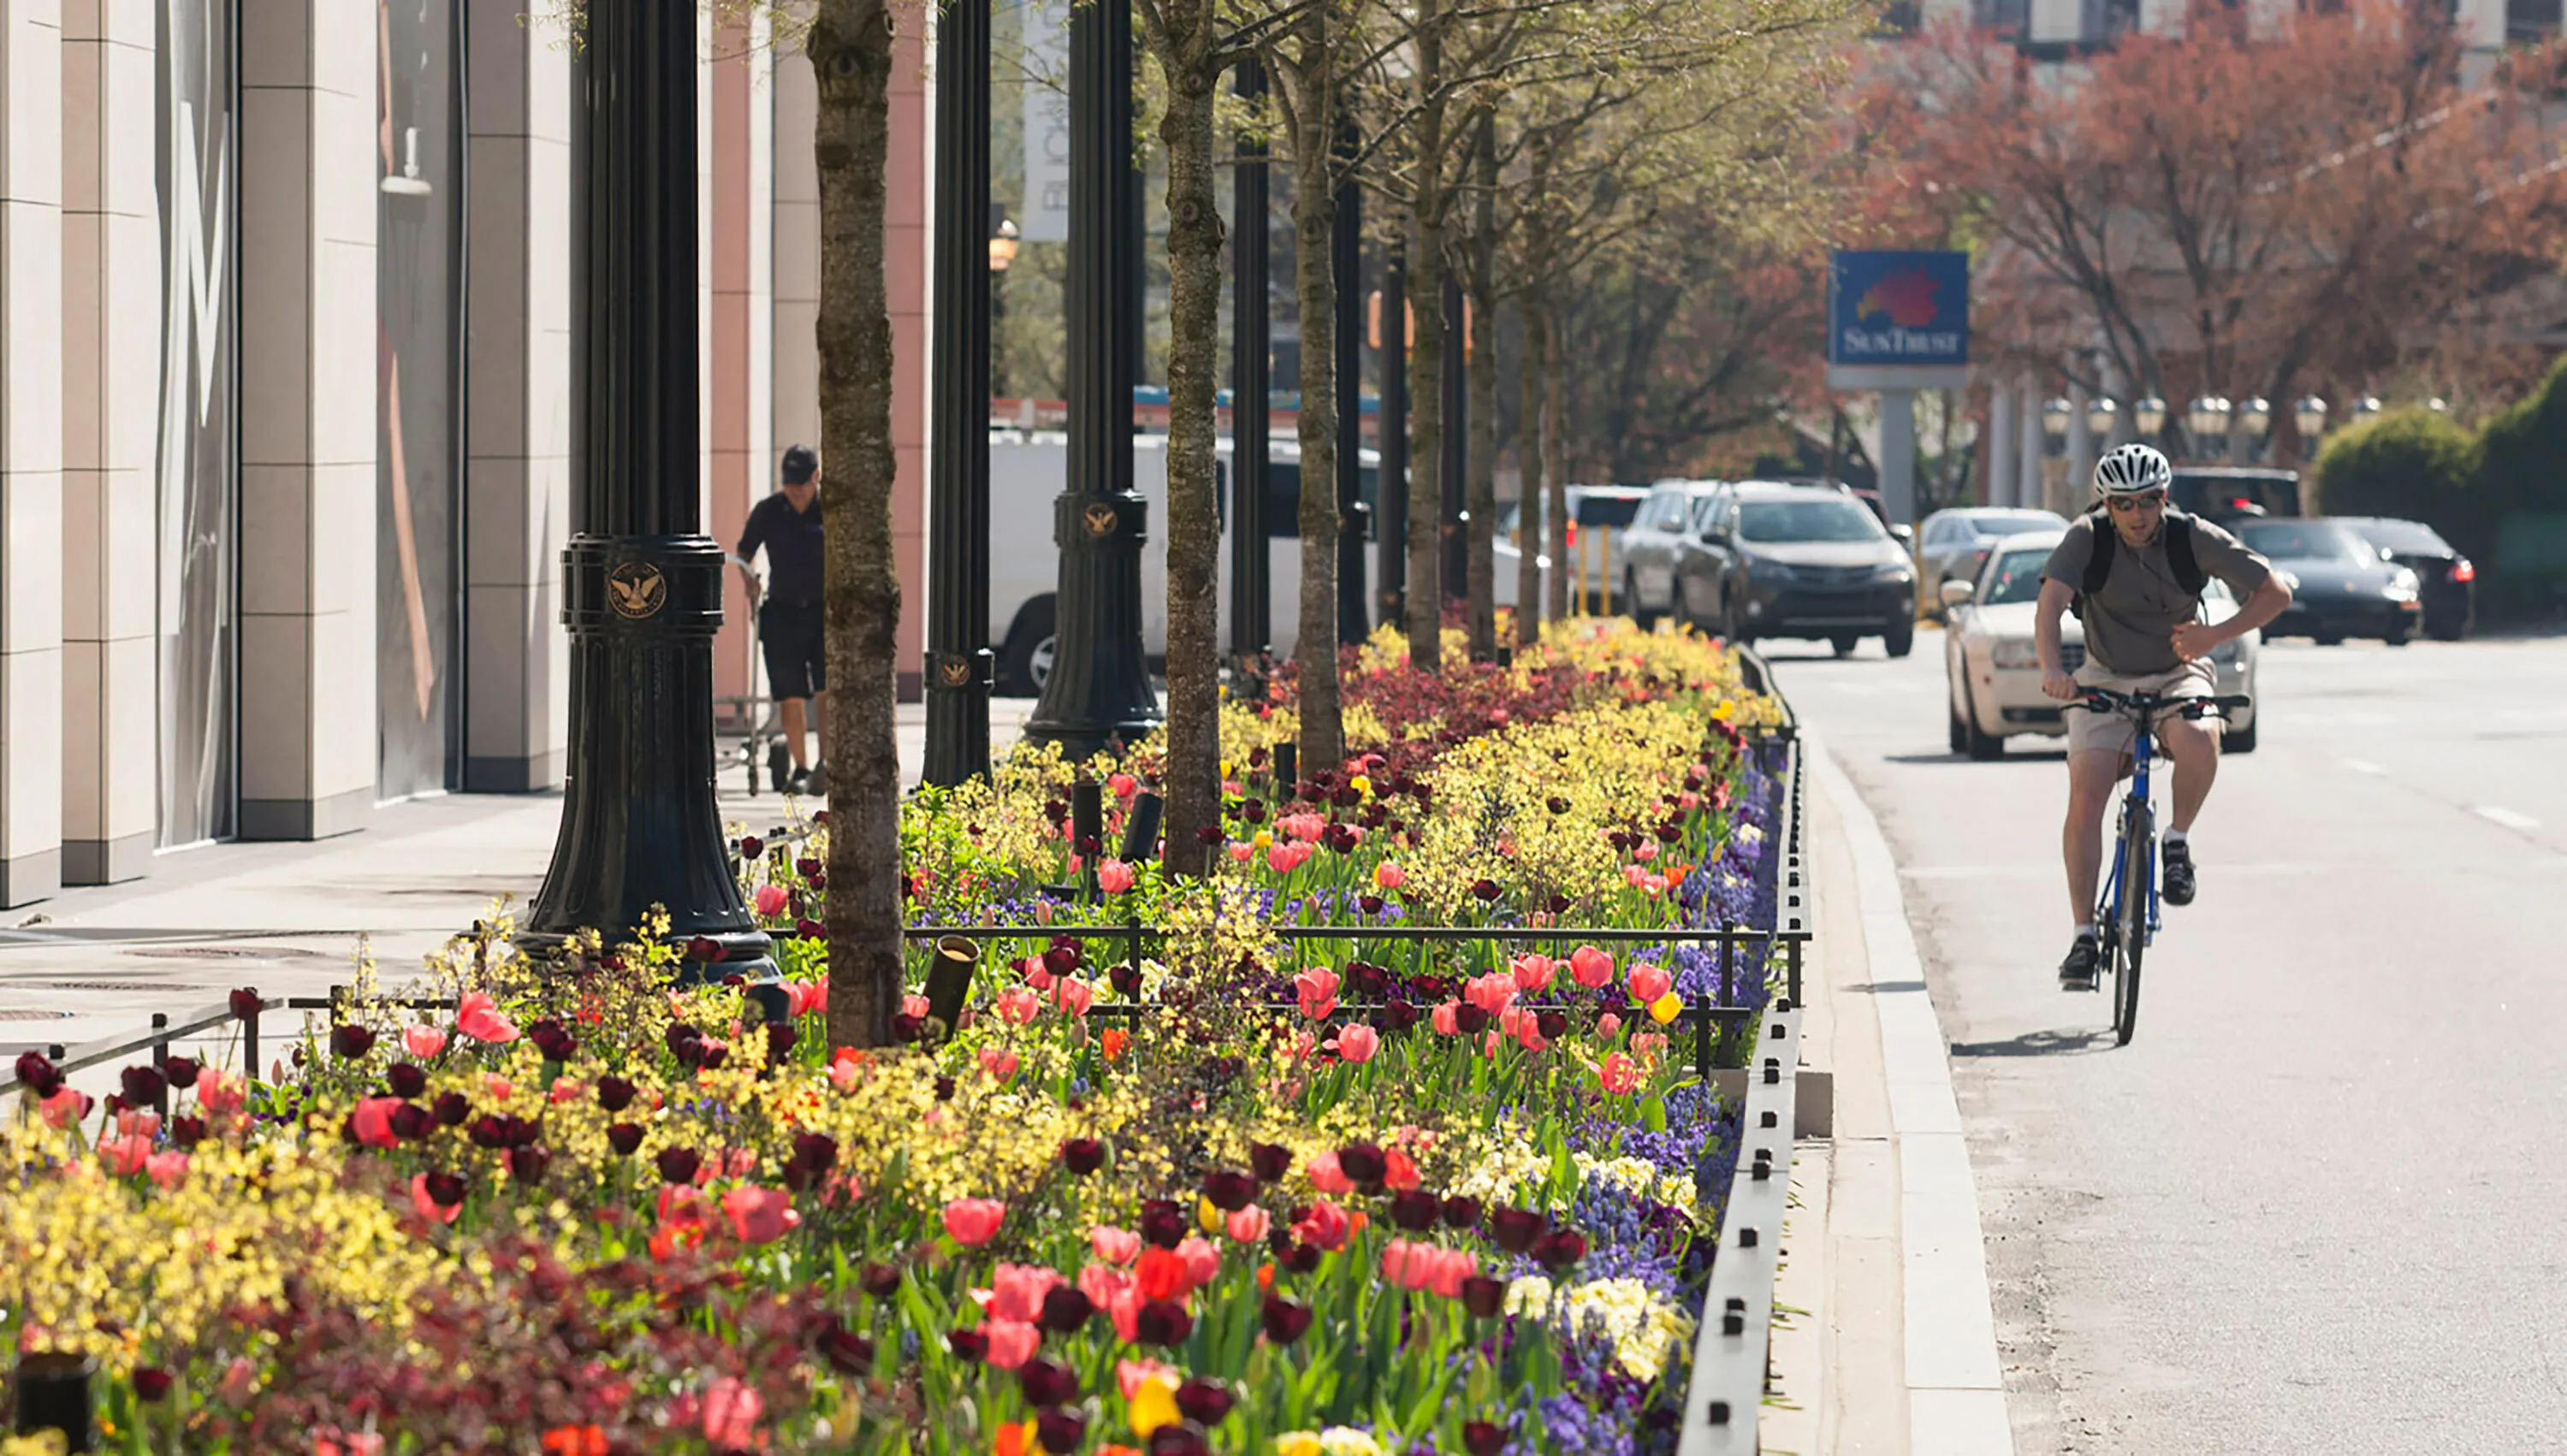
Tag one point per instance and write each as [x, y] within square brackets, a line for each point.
[2179, 546]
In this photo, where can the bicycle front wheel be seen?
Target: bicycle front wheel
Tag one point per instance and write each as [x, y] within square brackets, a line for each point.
[2139, 884]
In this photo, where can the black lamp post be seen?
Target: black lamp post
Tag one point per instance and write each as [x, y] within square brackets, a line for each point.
[960, 666]
[1345, 257]
[1457, 439]
[1251, 603]
[642, 590]
[1391, 356]
[1099, 689]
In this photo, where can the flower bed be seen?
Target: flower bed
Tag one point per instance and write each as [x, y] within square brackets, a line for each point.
[1339, 1192]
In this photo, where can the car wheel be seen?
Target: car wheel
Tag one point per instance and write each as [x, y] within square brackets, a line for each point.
[1732, 625]
[2327, 639]
[1631, 601]
[1900, 637]
[2448, 630]
[1983, 747]
[1959, 738]
[2396, 635]
[1024, 662]
[2240, 740]
[1844, 642]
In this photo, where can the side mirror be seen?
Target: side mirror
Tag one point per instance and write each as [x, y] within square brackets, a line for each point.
[1907, 537]
[1956, 593]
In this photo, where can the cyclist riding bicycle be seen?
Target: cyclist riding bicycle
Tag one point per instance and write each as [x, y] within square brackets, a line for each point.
[2133, 569]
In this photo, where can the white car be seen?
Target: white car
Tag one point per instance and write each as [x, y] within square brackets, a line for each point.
[1993, 673]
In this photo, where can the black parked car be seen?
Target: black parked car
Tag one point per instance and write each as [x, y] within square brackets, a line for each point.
[1806, 561]
[2231, 493]
[2444, 577]
[2341, 586]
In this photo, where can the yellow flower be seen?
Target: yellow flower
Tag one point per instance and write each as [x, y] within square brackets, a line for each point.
[1725, 711]
[1207, 1216]
[1360, 784]
[1297, 1443]
[1348, 1441]
[1665, 1007]
[1265, 839]
[1154, 1405]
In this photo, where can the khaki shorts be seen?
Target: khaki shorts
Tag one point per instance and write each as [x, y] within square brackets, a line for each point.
[2090, 732]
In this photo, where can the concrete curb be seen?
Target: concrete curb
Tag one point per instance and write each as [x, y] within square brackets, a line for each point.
[1956, 1384]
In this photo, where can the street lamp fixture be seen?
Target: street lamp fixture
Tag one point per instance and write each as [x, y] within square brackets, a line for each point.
[2256, 413]
[2207, 418]
[2437, 405]
[2309, 415]
[2100, 415]
[2054, 419]
[2366, 408]
[1003, 245]
[2148, 415]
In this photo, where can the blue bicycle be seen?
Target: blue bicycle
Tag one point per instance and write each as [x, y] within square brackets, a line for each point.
[2126, 917]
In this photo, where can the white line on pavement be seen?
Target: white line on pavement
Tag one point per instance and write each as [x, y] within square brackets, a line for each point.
[2364, 765]
[1955, 1383]
[2507, 817]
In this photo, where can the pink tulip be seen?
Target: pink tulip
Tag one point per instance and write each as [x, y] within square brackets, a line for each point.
[477, 1016]
[1017, 1290]
[1249, 1225]
[1590, 967]
[1398, 1171]
[1131, 1376]
[1281, 859]
[1648, 983]
[125, 1156]
[771, 899]
[1524, 1026]
[1653, 885]
[1116, 1292]
[428, 1208]
[1649, 1045]
[567, 1089]
[1073, 996]
[1123, 784]
[1327, 1177]
[1647, 851]
[1619, 1076]
[973, 1221]
[68, 1106]
[1632, 875]
[1037, 974]
[1240, 849]
[218, 1091]
[1534, 973]
[998, 1062]
[1357, 1044]
[808, 997]
[373, 1121]
[1492, 993]
[1203, 1260]
[1114, 1246]
[1448, 1019]
[1306, 827]
[1318, 988]
[1449, 1268]
[1020, 1005]
[1012, 1342]
[421, 1042]
[731, 1409]
[1326, 1226]
[1114, 877]
[1388, 876]
[1609, 1026]
[168, 1168]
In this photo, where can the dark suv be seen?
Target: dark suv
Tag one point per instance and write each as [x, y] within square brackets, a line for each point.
[1806, 561]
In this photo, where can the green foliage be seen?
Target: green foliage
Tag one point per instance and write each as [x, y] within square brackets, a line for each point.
[2412, 462]
[2519, 478]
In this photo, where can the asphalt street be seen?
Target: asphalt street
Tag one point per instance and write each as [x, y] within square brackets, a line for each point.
[2316, 1203]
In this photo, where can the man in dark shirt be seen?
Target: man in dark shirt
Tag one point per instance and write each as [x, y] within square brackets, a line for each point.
[787, 524]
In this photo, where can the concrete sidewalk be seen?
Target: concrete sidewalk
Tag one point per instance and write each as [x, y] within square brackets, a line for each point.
[1889, 1349]
[291, 919]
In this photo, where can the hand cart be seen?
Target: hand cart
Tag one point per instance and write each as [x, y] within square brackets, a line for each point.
[765, 743]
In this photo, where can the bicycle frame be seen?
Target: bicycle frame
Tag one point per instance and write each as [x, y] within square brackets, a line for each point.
[2108, 912]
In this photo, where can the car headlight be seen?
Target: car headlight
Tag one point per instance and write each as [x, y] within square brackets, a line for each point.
[2013, 652]
[2290, 583]
[2402, 587]
[1771, 570]
[1893, 571]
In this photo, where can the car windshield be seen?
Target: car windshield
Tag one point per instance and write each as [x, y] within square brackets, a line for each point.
[2014, 578]
[2015, 523]
[1614, 512]
[2307, 541]
[1833, 519]
[2413, 537]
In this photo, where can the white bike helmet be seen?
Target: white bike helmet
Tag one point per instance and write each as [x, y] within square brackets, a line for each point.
[2130, 469]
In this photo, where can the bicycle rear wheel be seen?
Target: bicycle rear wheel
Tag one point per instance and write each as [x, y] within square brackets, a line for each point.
[2138, 880]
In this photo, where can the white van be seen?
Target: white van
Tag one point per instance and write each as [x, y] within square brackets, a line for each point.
[1029, 469]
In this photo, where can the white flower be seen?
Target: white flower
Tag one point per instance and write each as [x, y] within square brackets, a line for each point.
[1643, 1328]
[1348, 1441]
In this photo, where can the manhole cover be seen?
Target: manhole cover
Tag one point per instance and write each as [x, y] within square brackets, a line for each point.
[24, 1014]
[108, 985]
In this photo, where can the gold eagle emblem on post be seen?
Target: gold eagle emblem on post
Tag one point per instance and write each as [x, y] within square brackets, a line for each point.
[1101, 519]
[637, 590]
[958, 672]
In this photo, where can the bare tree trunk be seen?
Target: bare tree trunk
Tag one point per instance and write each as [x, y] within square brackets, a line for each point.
[850, 48]
[1480, 284]
[1181, 34]
[1426, 524]
[1531, 502]
[1554, 448]
[1314, 282]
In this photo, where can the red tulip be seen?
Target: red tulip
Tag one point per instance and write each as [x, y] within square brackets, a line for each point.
[760, 1215]
[973, 1221]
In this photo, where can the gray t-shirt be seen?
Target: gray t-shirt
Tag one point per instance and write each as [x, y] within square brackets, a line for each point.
[2131, 619]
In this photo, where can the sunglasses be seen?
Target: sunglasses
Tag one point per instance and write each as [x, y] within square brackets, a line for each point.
[2124, 505]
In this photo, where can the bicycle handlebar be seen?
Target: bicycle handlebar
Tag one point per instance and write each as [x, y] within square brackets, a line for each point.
[2104, 699]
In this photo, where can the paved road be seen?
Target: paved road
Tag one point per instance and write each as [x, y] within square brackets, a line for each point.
[2316, 1205]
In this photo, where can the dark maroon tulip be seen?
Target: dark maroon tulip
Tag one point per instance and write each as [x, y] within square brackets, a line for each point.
[943, 1089]
[1178, 1439]
[750, 847]
[181, 1071]
[1065, 1308]
[1560, 905]
[1208, 834]
[683, 1041]
[967, 1344]
[1205, 1402]
[678, 1165]
[1483, 1438]
[1484, 1296]
[1471, 1019]
[712, 1054]
[1412, 1208]
[351, 1041]
[1550, 1023]
[1060, 1431]
[624, 1137]
[1061, 958]
[1555, 804]
[1516, 1228]
[1485, 890]
[847, 1352]
[187, 1132]
[704, 948]
[906, 1027]
[816, 1151]
[245, 1002]
[1371, 904]
[1560, 1249]
[1460, 1212]
[1270, 1161]
[780, 1036]
[810, 930]
[1162, 1224]
[446, 1190]
[406, 1079]
[39, 1075]
[1164, 1321]
[1047, 1382]
[527, 1164]
[1229, 1189]
[1279, 1239]
[411, 1121]
[1124, 979]
[806, 866]
[1284, 1321]
[142, 1085]
[882, 1281]
[499, 1130]
[451, 1108]
[151, 1382]
[1082, 1155]
[614, 1093]
[1363, 1162]
[1303, 1257]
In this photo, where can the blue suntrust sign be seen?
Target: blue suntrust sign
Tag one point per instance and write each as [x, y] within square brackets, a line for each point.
[1899, 308]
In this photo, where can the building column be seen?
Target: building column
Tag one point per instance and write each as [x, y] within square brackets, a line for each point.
[2032, 483]
[30, 449]
[517, 244]
[2080, 445]
[795, 239]
[309, 340]
[909, 239]
[738, 348]
[1997, 446]
[110, 404]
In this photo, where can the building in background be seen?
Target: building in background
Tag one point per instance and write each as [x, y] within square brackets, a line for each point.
[286, 400]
